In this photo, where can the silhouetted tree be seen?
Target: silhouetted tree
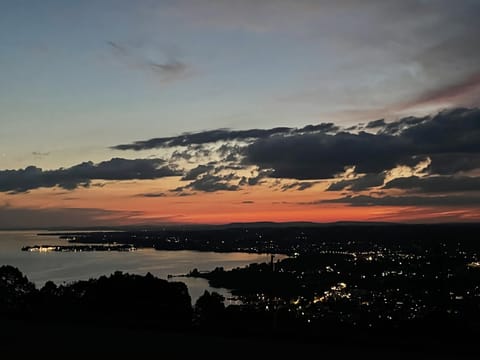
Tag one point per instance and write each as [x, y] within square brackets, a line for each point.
[209, 309]
[16, 292]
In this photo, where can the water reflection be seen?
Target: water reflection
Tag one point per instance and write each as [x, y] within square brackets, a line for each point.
[68, 266]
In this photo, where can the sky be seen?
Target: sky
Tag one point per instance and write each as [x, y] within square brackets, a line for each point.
[116, 112]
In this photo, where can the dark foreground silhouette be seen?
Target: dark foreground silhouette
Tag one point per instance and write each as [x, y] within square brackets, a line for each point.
[125, 313]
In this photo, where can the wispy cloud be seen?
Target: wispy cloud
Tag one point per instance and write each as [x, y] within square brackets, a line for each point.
[152, 195]
[40, 154]
[440, 200]
[172, 69]
[21, 217]
[459, 90]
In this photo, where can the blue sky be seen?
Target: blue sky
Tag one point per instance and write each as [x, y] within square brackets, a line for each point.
[247, 64]
[78, 77]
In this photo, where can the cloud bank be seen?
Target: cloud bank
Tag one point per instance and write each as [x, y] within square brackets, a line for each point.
[439, 155]
[454, 134]
[213, 136]
[30, 178]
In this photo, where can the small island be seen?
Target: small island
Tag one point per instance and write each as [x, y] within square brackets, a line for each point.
[79, 248]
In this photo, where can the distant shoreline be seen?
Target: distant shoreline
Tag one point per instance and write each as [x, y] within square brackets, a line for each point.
[250, 225]
[287, 240]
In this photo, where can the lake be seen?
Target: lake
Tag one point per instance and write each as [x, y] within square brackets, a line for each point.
[63, 267]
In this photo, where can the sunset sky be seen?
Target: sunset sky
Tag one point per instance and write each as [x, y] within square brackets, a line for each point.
[117, 112]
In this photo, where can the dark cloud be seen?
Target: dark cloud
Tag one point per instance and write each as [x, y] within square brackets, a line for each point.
[435, 184]
[320, 156]
[451, 163]
[82, 174]
[212, 136]
[323, 127]
[456, 130]
[210, 178]
[152, 195]
[231, 153]
[354, 127]
[248, 202]
[178, 155]
[192, 153]
[363, 183]
[229, 167]
[443, 200]
[255, 180]
[203, 137]
[197, 171]
[375, 124]
[299, 185]
[339, 185]
[396, 127]
[211, 183]
[450, 139]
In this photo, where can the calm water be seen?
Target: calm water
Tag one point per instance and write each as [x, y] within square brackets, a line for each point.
[69, 266]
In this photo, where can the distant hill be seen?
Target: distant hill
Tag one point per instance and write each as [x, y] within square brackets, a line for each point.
[236, 225]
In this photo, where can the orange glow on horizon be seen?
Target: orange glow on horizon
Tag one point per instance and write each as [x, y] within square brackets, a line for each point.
[258, 203]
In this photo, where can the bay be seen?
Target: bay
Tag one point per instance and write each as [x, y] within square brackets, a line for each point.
[65, 267]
